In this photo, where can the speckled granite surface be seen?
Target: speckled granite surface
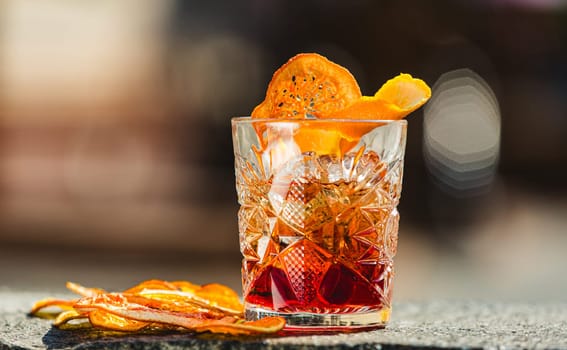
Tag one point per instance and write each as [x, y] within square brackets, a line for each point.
[432, 325]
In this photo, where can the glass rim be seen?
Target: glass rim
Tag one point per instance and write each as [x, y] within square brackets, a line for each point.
[249, 119]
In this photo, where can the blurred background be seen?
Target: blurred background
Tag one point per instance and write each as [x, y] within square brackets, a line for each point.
[116, 159]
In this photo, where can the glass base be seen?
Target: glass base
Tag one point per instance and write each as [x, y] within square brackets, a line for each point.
[310, 322]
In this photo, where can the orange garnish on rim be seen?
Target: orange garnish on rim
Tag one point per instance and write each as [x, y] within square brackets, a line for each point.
[308, 85]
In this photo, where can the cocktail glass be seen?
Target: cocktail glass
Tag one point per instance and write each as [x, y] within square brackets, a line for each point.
[318, 222]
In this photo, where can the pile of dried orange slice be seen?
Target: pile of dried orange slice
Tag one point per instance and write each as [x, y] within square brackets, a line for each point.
[156, 305]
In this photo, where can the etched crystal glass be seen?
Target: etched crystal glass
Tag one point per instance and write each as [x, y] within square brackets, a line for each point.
[318, 221]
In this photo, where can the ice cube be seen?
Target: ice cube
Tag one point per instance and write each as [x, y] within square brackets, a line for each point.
[302, 168]
[367, 170]
[297, 195]
[331, 169]
[281, 147]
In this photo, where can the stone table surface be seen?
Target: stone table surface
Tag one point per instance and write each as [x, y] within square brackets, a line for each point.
[432, 325]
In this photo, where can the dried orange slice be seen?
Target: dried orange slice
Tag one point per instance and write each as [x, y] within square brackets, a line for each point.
[63, 321]
[171, 303]
[67, 316]
[62, 304]
[84, 291]
[106, 320]
[270, 324]
[221, 297]
[186, 286]
[308, 85]
[151, 284]
[397, 98]
[212, 300]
